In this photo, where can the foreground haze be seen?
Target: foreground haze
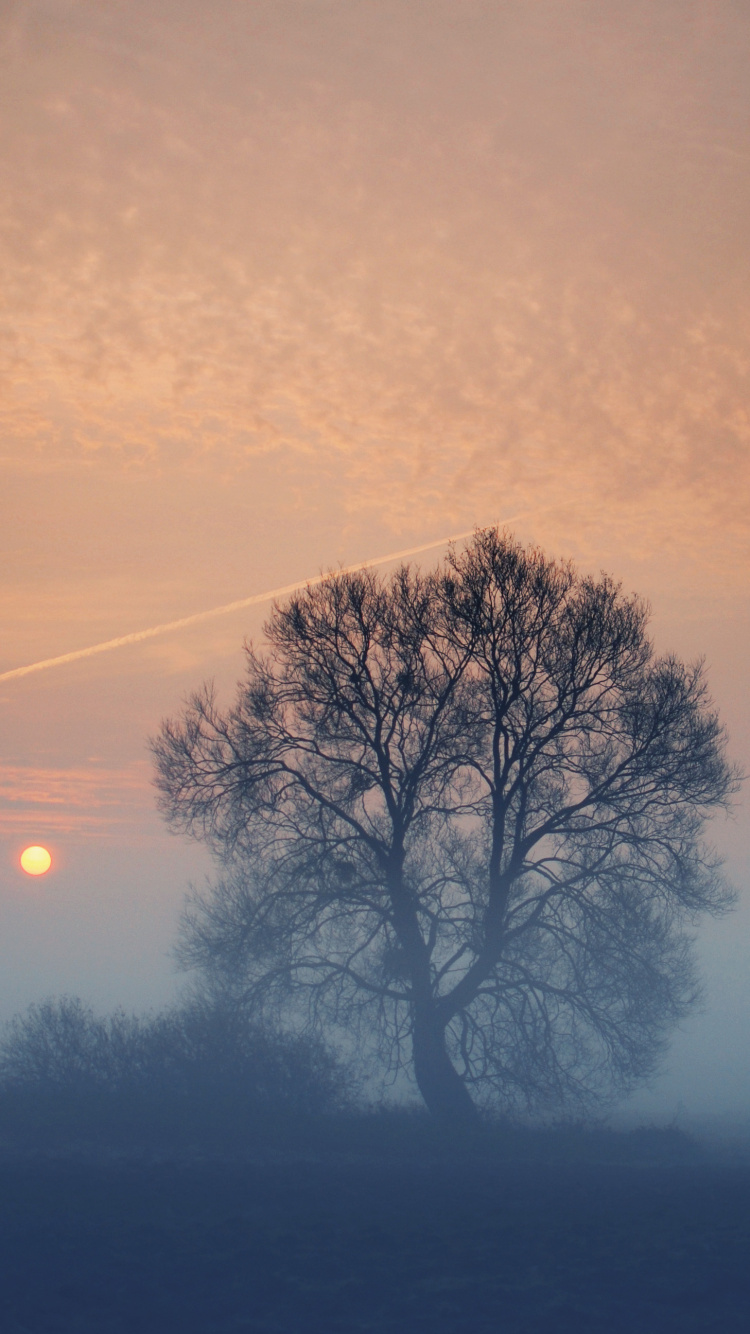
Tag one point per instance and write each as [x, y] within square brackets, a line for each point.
[292, 284]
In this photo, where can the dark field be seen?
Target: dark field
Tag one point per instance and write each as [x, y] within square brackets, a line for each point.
[533, 1247]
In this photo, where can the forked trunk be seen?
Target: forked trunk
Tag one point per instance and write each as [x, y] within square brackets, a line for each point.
[442, 1088]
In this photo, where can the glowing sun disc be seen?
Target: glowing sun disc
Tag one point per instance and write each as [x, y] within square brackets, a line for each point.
[36, 860]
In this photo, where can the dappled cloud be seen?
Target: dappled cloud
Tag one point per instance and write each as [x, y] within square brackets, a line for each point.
[469, 258]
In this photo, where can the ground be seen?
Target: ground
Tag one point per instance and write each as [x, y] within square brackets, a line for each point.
[341, 1246]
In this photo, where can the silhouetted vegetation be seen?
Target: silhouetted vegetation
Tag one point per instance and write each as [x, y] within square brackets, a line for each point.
[464, 810]
[204, 1073]
[205, 1078]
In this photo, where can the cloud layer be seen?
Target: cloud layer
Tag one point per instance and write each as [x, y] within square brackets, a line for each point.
[89, 801]
[462, 259]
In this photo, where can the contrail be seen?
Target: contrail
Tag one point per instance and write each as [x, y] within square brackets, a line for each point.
[138, 635]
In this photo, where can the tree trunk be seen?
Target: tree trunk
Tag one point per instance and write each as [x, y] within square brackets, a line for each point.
[442, 1088]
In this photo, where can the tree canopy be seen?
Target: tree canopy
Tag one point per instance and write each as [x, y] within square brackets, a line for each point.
[465, 807]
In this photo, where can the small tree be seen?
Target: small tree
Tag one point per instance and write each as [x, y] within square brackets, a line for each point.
[202, 1069]
[467, 804]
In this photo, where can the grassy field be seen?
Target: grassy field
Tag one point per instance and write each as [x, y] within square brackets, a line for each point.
[348, 1244]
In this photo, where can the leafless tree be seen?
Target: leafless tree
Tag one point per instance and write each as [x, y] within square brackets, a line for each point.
[468, 805]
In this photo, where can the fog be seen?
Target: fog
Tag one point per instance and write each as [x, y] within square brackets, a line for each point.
[288, 285]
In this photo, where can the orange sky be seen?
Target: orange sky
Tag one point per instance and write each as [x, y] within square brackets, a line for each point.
[291, 284]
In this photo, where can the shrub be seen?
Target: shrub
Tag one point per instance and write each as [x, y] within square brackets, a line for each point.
[204, 1071]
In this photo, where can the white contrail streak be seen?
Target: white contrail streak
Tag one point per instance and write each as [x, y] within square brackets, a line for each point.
[139, 635]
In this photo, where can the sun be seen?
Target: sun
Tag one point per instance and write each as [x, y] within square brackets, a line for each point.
[35, 860]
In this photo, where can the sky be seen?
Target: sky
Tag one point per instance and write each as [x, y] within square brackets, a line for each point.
[289, 285]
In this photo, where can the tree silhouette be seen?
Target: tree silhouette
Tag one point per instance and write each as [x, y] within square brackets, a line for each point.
[467, 805]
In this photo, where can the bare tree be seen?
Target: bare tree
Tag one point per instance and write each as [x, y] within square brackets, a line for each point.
[469, 805]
